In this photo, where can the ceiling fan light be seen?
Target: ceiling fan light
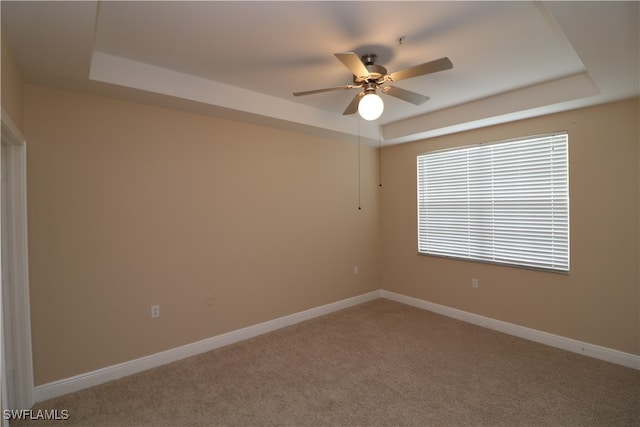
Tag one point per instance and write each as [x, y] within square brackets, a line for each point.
[370, 106]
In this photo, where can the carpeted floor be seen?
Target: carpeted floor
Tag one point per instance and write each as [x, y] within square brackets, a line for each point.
[377, 364]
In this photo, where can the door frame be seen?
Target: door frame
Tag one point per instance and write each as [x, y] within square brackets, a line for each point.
[16, 322]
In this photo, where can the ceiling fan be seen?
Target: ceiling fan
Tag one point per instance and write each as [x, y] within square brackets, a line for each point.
[369, 76]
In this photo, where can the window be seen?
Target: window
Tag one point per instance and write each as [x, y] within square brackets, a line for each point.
[504, 202]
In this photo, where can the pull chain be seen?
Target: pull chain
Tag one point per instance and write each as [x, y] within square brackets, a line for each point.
[359, 168]
[379, 158]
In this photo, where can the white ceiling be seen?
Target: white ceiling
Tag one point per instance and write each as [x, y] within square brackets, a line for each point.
[243, 60]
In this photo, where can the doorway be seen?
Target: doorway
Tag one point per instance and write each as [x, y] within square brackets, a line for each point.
[17, 360]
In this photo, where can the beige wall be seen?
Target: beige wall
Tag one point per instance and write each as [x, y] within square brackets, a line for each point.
[12, 85]
[132, 205]
[598, 302]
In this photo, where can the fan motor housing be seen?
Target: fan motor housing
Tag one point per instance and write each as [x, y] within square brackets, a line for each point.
[376, 72]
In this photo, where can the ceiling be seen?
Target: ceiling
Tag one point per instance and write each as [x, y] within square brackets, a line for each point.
[243, 60]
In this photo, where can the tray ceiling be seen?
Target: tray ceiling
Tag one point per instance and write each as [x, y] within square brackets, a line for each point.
[243, 60]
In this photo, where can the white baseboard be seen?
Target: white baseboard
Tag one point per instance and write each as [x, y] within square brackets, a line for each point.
[101, 376]
[591, 350]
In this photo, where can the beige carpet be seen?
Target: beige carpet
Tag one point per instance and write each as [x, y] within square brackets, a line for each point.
[377, 364]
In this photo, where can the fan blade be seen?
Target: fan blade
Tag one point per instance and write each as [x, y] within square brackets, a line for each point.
[353, 106]
[329, 89]
[422, 69]
[354, 64]
[405, 95]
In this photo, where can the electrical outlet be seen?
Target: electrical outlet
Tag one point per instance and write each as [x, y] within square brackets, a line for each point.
[356, 269]
[209, 299]
[155, 311]
[474, 283]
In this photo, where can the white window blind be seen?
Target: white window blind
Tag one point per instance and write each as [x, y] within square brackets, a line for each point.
[505, 203]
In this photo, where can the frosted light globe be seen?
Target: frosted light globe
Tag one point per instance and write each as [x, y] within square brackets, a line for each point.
[370, 106]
